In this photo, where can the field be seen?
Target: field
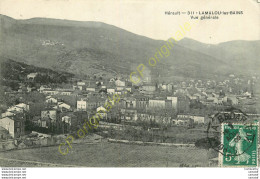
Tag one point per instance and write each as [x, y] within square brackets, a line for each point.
[106, 154]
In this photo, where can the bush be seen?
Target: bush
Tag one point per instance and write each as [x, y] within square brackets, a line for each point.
[207, 143]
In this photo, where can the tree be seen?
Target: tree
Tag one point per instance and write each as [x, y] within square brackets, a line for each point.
[207, 143]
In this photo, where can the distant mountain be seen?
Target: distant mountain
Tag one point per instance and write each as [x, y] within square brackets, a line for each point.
[243, 55]
[99, 48]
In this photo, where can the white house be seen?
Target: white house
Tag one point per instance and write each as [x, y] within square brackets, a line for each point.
[129, 89]
[111, 91]
[31, 75]
[15, 127]
[66, 93]
[93, 89]
[157, 103]
[233, 100]
[102, 111]
[247, 94]
[174, 101]
[19, 107]
[50, 99]
[181, 121]
[196, 119]
[119, 88]
[64, 105]
[15, 108]
[120, 83]
[81, 83]
[66, 119]
[199, 119]
[213, 100]
[8, 114]
[50, 92]
[8, 124]
[42, 88]
[81, 105]
[23, 106]
[164, 86]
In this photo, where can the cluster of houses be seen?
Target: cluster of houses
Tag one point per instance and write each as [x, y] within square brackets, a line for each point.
[13, 121]
[164, 103]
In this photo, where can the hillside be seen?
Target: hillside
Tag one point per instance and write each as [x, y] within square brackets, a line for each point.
[99, 48]
[13, 73]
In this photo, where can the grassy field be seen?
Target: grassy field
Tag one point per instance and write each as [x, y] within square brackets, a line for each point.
[106, 154]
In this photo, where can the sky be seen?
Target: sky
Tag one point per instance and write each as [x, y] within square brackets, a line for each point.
[147, 17]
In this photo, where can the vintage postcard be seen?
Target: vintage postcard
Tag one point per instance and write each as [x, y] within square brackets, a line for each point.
[129, 83]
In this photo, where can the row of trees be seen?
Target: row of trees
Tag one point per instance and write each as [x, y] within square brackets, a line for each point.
[132, 134]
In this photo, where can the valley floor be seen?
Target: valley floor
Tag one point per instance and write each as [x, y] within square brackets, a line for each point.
[105, 154]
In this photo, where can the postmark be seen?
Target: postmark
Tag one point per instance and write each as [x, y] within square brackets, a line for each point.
[234, 137]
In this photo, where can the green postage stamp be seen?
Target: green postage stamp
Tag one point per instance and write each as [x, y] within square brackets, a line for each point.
[240, 145]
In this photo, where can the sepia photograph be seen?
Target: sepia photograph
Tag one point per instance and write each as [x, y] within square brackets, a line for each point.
[129, 83]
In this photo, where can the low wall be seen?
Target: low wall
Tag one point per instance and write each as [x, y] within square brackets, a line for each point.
[149, 143]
